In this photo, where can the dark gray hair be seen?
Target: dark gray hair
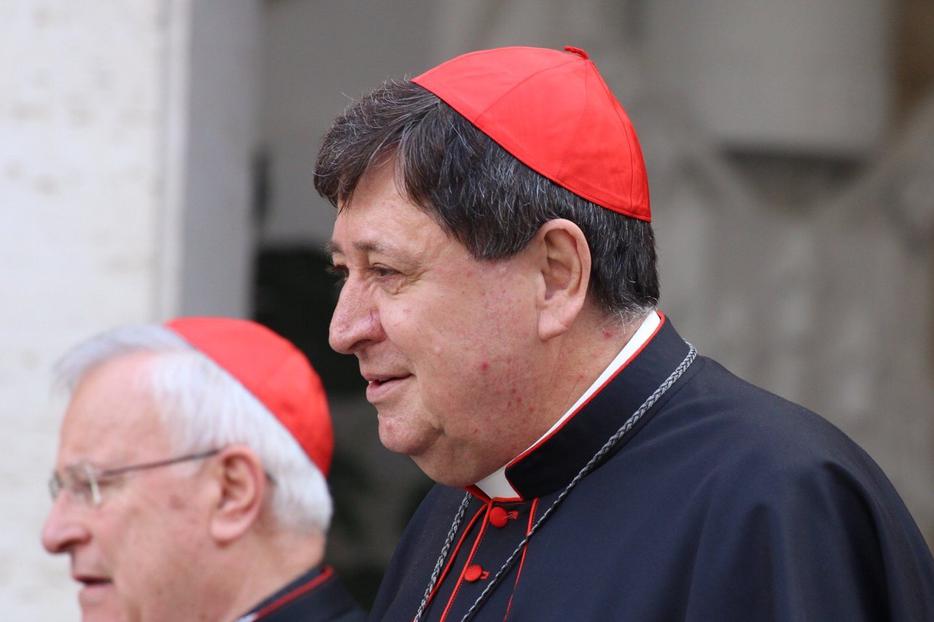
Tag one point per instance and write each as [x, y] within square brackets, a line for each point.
[478, 193]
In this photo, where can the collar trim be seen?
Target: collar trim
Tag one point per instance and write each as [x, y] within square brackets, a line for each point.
[308, 582]
[497, 486]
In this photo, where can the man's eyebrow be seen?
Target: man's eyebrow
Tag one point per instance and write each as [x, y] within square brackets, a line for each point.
[333, 247]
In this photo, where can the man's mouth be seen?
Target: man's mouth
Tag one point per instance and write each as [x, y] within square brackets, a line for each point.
[380, 386]
[94, 590]
[92, 581]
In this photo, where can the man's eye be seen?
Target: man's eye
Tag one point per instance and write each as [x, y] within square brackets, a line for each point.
[339, 273]
[80, 487]
[83, 489]
[383, 271]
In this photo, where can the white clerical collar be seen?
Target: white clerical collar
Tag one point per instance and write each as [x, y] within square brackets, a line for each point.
[496, 485]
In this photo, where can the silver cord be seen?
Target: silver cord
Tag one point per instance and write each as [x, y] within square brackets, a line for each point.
[597, 457]
[587, 468]
[452, 533]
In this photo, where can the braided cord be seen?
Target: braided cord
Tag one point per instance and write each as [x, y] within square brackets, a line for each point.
[452, 533]
[597, 457]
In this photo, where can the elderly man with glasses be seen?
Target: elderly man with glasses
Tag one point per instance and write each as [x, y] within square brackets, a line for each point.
[190, 477]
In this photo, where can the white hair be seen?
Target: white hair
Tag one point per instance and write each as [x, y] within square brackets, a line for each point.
[204, 407]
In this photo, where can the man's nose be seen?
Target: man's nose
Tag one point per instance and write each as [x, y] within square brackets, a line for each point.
[355, 322]
[62, 530]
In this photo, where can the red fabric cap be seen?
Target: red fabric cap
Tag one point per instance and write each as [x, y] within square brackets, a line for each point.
[274, 371]
[554, 113]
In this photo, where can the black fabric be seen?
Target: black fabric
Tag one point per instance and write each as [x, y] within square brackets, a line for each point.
[327, 601]
[728, 503]
[553, 465]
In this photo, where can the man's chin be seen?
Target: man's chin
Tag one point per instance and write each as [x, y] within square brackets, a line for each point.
[100, 603]
[397, 438]
[444, 472]
[443, 467]
[395, 442]
[103, 611]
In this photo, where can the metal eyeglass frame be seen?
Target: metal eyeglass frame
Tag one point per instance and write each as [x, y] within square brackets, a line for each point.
[83, 480]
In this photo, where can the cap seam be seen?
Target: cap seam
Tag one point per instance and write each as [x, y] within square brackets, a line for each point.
[623, 204]
[577, 128]
[627, 128]
[294, 351]
[254, 394]
[523, 81]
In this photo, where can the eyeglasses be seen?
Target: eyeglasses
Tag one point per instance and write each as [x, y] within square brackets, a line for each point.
[83, 480]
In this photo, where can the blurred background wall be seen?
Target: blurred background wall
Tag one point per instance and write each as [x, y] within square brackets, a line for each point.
[156, 159]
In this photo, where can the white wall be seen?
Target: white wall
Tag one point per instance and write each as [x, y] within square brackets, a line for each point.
[80, 198]
[101, 171]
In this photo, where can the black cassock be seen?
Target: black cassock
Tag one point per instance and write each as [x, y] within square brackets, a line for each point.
[316, 596]
[724, 502]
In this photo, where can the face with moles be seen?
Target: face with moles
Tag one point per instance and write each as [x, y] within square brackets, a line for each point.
[455, 351]
[131, 554]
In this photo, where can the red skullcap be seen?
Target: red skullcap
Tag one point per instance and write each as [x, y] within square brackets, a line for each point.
[554, 113]
[274, 371]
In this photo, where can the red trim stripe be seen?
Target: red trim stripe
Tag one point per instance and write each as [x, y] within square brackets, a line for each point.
[525, 549]
[452, 555]
[460, 578]
[484, 498]
[301, 590]
[635, 354]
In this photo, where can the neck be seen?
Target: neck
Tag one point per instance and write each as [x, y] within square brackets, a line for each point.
[261, 567]
[581, 365]
[583, 355]
[573, 362]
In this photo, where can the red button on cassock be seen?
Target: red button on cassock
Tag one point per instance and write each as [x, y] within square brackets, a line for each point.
[499, 517]
[473, 572]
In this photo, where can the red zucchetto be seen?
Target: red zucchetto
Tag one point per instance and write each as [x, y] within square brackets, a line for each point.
[553, 111]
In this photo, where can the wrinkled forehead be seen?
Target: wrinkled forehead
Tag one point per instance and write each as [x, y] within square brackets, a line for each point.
[386, 170]
[112, 414]
[381, 217]
[386, 179]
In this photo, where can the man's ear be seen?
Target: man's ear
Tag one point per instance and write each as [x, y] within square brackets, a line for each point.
[564, 264]
[242, 488]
